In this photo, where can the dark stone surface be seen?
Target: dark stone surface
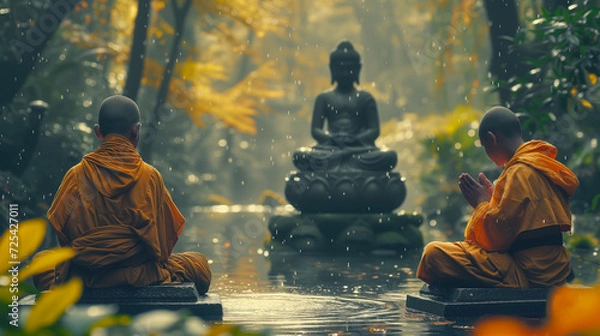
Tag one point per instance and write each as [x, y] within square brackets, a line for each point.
[185, 292]
[207, 307]
[345, 192]
[139, 300]
[475, 302]
[347, 232]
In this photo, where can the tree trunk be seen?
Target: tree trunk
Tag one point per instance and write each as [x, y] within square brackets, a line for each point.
[135, 69]
[26, 50]
[238, 184]
[503, 20]
[149, 139]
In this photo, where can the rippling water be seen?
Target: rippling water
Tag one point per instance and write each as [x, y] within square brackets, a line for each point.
[308, 294]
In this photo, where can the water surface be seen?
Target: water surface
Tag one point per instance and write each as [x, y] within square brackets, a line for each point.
[290, 293]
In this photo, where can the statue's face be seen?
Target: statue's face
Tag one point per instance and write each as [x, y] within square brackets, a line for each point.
[345, 72]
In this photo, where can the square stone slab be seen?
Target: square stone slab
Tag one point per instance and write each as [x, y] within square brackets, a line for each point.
[185, 292]
[139, 300]
[475, 302]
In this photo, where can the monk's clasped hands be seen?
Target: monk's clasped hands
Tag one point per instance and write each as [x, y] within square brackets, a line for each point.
[475, 192]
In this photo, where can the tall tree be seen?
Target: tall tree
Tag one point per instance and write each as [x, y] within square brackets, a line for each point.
[503, 17]
[180, 13]
[135, 70]
[27, 47]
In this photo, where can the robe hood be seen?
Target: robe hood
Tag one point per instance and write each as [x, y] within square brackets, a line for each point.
[113, 168]
[541, 156]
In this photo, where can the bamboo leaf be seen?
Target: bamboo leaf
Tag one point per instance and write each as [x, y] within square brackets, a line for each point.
[595, 202]
[52, 304]
[47, 261]
[20, 241]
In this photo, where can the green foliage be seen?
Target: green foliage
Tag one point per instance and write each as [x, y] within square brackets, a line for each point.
[564, 66]
[582, 241]
[452, 148]
[560, 93]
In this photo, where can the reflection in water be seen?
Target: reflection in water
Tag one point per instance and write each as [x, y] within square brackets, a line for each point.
[343, 274]
[293, 294]
[335, 295]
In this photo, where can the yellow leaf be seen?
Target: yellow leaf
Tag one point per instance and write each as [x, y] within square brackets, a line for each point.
[220, 200]
[47, 261]
[573, 91]
[157, 6]
[221, 329]
[166, 27]
[52, 304]
[267, 193]
[586, 103]
[20, 241]
[593, 78]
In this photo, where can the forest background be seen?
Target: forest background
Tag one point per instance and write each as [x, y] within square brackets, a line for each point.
[226, 89]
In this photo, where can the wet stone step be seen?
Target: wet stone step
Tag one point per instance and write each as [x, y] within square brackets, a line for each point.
[475, 302]
[133, 301]
[185, 292]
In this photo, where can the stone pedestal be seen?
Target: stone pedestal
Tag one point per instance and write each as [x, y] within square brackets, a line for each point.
[138, 300]
[345, 192]
[346, 232]
[475, 302]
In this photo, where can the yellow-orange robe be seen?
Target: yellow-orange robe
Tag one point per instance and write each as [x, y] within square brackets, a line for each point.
[115, 211]
[530, 200]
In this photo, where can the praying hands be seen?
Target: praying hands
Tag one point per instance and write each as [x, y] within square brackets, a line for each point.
[475, 192]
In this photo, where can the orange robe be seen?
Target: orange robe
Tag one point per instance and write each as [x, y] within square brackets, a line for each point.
[115, 211]
[530, 200]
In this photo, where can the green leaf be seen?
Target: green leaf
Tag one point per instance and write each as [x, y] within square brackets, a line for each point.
[595, 202]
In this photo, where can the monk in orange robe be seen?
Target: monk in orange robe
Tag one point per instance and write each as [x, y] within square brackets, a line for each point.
[514, 236]
[114, 210]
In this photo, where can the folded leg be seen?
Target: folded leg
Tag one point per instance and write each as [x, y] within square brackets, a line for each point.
[466, 265]
[190, 266]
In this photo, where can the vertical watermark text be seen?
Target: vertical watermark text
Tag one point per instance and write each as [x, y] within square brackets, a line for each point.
[13, 261]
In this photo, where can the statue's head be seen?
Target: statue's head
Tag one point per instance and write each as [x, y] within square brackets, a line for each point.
[344, 63]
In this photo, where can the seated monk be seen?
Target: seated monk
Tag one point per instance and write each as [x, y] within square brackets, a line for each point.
[352, 122]
[114, 210]
[514, 236]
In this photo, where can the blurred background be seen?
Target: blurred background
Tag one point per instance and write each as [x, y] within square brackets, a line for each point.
[226, 89]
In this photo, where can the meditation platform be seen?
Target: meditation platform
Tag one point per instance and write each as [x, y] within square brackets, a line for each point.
[139, 300]
[476, 302]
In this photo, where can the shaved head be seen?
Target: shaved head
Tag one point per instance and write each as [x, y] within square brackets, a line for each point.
[500, 121]
[118, 114]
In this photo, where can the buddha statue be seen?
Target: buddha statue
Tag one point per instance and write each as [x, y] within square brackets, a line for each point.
[344, 186]
[352, 121]
[345, 171]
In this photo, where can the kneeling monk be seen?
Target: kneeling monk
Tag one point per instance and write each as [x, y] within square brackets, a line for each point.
[114, 210]
[514, 236]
